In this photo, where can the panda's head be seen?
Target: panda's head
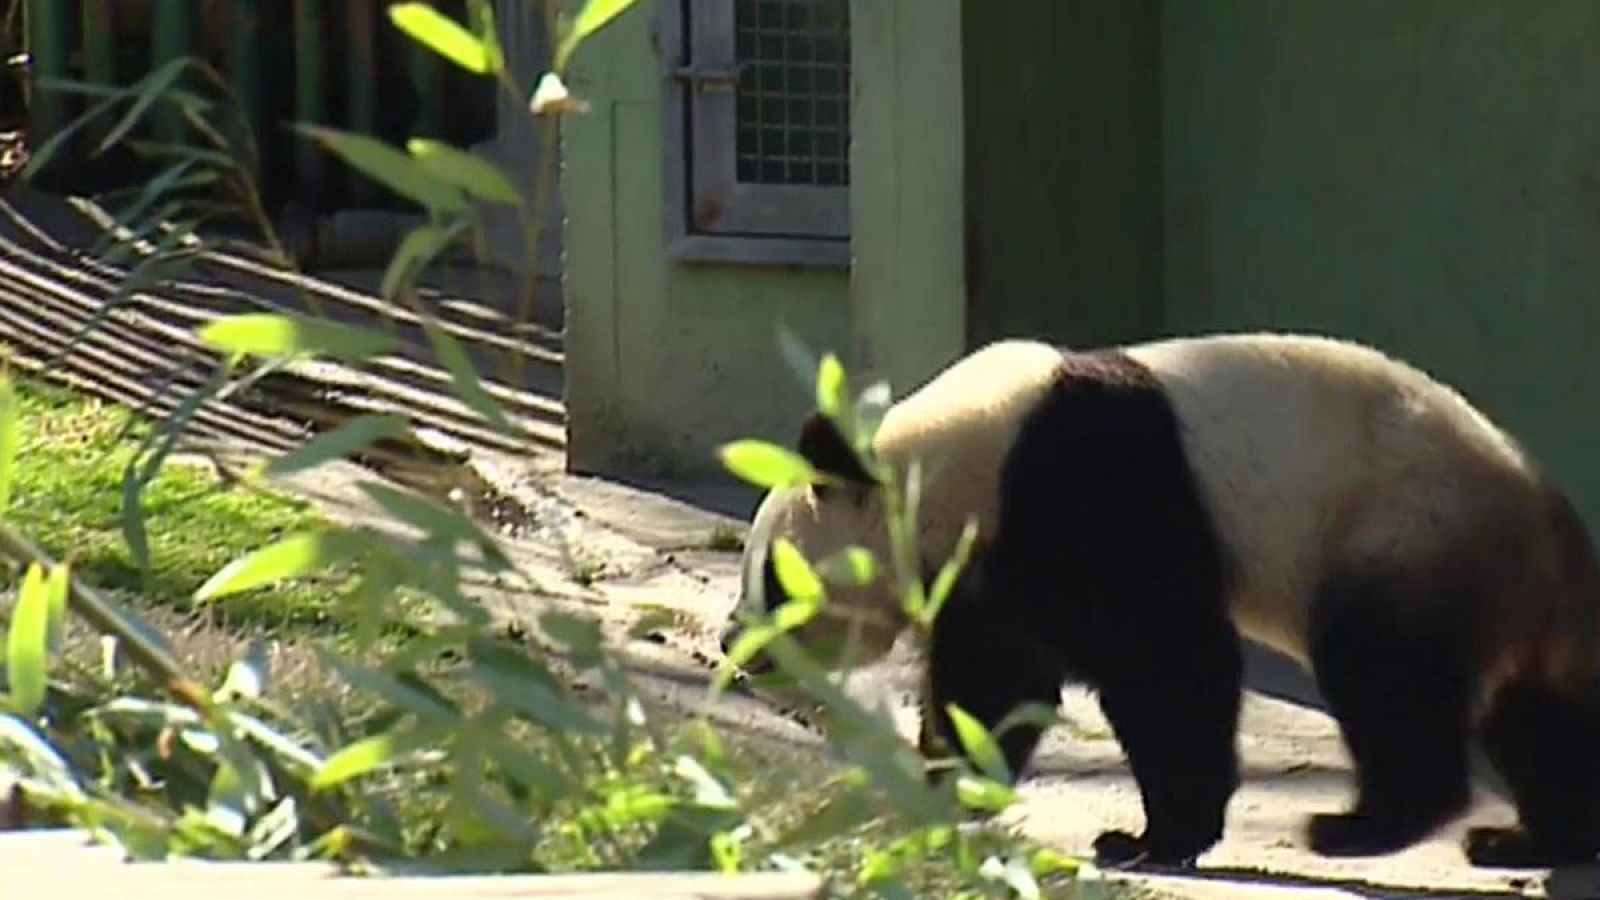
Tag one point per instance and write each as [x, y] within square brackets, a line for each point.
[821, 520]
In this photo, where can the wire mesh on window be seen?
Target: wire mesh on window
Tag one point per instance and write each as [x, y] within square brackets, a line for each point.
[794, 91]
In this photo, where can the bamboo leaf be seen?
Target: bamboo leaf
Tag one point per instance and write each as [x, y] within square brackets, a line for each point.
[978, 744]
[524, 689]
[437, 521]
[424, 704]
[765, 464]
[292, 557]
[799, 581]
[271, 334]
[746, 646]
[27, 644]
[339, 443]
[419, 248]
[10, 440]
[369, 754]
[57, 587]
[134, 533]
[478, 177]
[147, 91]
[390, 167]
[594, 15]
[984, 793]
[850, 567]
[464, 378]
[832, 390]
[945, 581]
[240, 788]
[20, 739]
[443, 35]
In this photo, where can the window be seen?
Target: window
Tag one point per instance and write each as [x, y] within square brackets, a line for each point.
[758, 129]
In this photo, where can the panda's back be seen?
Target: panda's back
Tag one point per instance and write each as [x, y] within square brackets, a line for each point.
[1315, 454]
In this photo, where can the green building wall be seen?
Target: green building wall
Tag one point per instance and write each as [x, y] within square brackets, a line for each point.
[1063, 170]
[1423, 175]
[665, 360]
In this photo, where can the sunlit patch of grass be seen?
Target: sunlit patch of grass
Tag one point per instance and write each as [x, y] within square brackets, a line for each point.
[68, 498]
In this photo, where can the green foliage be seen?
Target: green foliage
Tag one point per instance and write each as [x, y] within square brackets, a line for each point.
[10, 439]
[395, 170]
[276, 335]
[459, 749]
[832, 387]
[479, 179]
[348, 438]
[444, 36]
[27, 643]
[591, 18]
[464, 379]
[68, 497]
[767, 465]
[295, 556]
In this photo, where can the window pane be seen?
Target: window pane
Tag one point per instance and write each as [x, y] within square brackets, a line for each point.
[794, 91]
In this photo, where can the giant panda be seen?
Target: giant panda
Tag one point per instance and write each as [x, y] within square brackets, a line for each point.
[1143, 508]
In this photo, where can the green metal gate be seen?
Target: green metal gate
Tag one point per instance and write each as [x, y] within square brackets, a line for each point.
[334, 62]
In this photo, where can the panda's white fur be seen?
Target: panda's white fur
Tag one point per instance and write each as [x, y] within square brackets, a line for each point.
[1311, 459]
[958, 425]
[1310, 451]
[1313, 452]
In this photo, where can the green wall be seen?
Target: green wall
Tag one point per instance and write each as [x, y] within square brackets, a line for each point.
[1424, 175]
[908, 298]
[1063, 169]
[665, 360]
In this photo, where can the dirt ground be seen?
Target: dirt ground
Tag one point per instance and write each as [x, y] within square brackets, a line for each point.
[618, 552]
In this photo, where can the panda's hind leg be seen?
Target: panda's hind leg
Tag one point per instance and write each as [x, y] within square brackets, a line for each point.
[1398, 681]
[1545, 744]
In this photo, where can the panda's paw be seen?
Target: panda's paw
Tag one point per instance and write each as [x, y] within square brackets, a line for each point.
[1357, 834]
[1340, 834]
[1514, 848]
[1500, 848]
[1118, 848]
[1121, 850]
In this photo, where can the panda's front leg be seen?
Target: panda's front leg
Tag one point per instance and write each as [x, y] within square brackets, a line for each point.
[1178, 735]
[981, 663]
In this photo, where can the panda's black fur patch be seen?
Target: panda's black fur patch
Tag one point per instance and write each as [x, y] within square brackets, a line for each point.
[822, 445]
[1105, 568]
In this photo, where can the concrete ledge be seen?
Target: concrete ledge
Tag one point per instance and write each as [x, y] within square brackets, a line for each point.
[61, 863]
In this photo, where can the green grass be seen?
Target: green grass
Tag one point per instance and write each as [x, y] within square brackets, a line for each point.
[68, 498]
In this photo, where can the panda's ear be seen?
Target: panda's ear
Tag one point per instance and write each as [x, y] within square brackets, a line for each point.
[828, 452]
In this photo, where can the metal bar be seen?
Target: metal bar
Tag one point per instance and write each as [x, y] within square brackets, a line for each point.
[310, 104]
[426, 72]
[172, 36]
[99, 51]
[50, 44]
[99, 45]
[362, 82]
[244, 70]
